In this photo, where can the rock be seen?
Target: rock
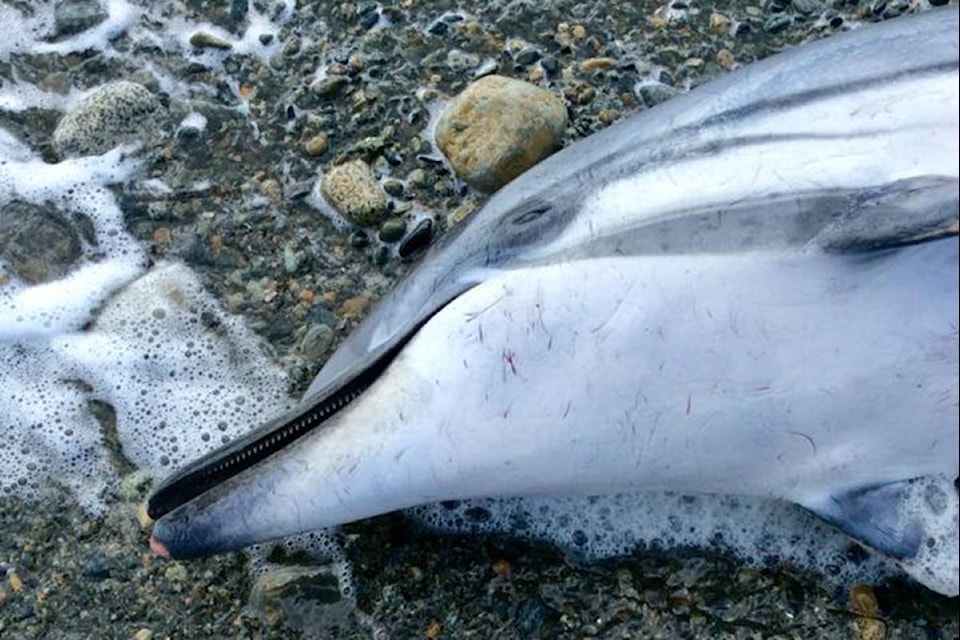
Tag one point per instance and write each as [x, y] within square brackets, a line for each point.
[392, 229]
[316, 342]
[725, 58]
[590, 65]
[176, 573]
[499, 127]
[778, 23]
[300, 596]
[116, 113]
[204, 40]
[417, 239]
[73, 16]
[330, 86]
[527, 55]
[393, 187]
[720, 23]
[354, 192]
[39, 244]
[653, 93]
[317, 145]
[97, 566]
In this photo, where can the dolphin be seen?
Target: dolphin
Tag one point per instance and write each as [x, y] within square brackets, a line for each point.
[751, 289]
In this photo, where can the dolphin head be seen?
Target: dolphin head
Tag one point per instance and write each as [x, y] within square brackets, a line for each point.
[377, 431]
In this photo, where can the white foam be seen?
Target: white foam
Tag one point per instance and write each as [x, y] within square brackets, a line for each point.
[49, 432]
[759, 532]
[75, 186]
[120, 16]
[20, 96]
[194, 120]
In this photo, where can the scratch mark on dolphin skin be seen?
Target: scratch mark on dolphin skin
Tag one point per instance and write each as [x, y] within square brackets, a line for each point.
[689, 404]
[473, 315]
[510, 358]
[616, 308]
[566, 410]
[543, 326]
[813, 445]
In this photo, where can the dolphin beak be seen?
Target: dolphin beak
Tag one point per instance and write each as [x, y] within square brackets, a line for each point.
[192, 507]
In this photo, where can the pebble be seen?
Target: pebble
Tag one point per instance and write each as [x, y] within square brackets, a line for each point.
[499, 127]
[591, 65]
[776, 24]
[143, 634]
[115, 113]
[329, 87]
[417, 239]
[316, 342]
[175, 572]
[204, 40]
[37, 243]
[309, 595]
[725, 58]
[527, 55]
[354, 192]
[393, 187]
[418, 177]
[73, 16]
[863, 603]
[317, 145]
[392, 229]
[486, 68]
[720, 23]
[354, 306]
[653, 93]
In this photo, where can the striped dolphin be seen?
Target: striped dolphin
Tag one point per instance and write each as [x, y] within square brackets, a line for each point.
[751, 289]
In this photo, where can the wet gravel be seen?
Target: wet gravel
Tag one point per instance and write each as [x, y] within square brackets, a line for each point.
[361, 81]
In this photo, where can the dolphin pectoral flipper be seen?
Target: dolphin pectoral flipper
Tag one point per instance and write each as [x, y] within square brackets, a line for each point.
[914, 522]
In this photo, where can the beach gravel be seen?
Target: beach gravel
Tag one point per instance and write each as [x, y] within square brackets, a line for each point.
[340, 84]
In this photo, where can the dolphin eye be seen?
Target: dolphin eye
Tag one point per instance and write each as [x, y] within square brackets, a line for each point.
[529, 215]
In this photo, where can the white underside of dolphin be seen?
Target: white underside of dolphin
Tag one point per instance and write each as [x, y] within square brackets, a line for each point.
[752, 290]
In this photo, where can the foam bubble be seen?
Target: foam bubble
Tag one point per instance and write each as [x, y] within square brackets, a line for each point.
[182, 375]
[48, 429]
[120, 16]
[759, 532]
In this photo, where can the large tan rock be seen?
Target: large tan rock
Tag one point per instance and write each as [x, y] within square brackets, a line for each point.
[499, 127]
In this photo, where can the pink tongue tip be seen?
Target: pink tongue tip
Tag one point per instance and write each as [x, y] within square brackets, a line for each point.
[157, 547]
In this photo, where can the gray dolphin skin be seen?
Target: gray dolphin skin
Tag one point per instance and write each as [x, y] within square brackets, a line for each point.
[750, 290]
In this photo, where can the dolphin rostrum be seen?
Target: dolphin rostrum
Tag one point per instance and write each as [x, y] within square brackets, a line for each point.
[751, 289]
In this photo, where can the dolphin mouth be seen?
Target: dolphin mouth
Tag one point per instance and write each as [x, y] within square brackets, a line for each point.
[309, 414]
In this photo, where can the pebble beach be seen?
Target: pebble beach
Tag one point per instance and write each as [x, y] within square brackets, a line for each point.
[299, 157]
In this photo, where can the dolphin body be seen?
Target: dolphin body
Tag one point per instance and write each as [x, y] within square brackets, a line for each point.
[751, 289]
